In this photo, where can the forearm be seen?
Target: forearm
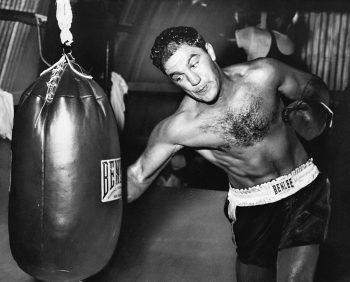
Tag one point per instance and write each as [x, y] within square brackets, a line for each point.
[136, 184]
[158, 152]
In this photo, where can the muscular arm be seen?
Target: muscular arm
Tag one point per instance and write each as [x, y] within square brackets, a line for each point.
[309, 112]
[160, 148]
[299, 85]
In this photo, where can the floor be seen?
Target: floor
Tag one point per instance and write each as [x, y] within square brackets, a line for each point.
[174, 235]
[182, 235]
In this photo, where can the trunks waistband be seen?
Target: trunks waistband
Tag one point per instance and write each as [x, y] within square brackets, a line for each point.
[273, 191]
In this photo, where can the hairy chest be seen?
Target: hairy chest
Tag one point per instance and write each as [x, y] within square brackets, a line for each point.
[244, 124]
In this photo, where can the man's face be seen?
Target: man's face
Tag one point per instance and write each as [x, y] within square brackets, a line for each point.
[195, 72]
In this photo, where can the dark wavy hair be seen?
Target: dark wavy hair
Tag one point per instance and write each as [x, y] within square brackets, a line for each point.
[167, 43]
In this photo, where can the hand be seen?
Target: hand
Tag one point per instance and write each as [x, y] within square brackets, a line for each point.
[307, 118]
[134, 192]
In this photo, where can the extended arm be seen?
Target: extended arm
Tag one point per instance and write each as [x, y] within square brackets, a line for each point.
[159, 150]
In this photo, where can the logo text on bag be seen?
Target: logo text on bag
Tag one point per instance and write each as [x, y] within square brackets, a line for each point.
[111, 180]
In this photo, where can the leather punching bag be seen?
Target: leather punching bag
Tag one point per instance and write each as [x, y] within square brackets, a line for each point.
[65, 203]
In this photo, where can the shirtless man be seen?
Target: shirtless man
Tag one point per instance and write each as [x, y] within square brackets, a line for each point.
[234, 117]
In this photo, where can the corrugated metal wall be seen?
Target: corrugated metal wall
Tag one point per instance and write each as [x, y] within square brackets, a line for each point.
[327, 51]
[13, 38]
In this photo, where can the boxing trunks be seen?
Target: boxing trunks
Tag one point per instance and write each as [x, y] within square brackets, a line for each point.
[292, 210]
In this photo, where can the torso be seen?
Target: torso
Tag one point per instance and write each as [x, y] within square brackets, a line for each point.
[243, 132]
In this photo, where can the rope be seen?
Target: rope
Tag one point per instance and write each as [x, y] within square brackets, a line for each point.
[68, 60]
[74, 70]
[64, 19]
[54, 65]
[57, 70]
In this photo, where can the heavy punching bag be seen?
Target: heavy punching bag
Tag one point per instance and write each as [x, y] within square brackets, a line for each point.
[65, 203]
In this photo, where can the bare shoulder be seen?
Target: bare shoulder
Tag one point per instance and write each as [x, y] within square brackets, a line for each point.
[236, 69]
[264, 64]
[276, 67]
[177, 128]
[258, 70]
[269, 70]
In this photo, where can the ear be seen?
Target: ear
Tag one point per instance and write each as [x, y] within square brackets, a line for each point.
[210, 51]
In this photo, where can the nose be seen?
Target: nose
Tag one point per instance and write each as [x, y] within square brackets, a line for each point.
[193, 78]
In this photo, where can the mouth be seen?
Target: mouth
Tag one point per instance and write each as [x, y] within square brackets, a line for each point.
[202, 89]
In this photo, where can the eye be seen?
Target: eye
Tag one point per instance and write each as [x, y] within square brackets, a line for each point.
[177, 78]
[194, 65]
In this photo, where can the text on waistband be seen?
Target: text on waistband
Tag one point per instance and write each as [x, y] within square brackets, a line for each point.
[283, 185]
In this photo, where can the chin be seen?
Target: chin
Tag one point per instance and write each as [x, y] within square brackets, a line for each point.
[211, 101]
[206, 100]
[211, 98]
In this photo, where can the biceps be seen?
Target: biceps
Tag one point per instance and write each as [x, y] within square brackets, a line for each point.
[291, 81]
[293, 84]
[290, 89]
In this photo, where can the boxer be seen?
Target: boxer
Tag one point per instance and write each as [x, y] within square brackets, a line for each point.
[278, 199]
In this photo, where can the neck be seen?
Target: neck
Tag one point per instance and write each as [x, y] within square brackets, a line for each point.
[226, 86]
